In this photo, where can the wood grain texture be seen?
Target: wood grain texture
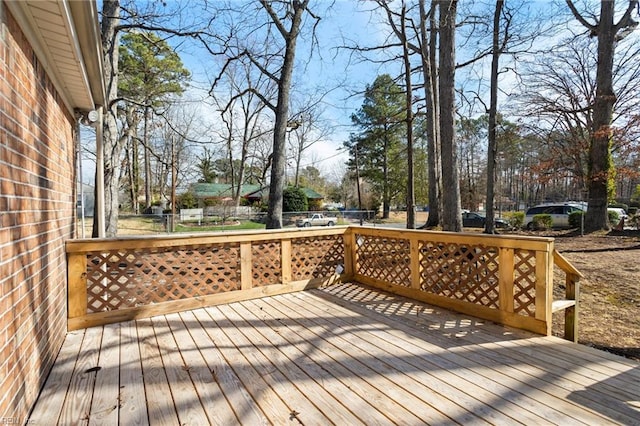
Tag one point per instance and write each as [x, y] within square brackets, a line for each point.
[77, 284]
[131, 278]
[342, 354]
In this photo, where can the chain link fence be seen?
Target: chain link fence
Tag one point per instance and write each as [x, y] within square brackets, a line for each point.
[217, 219]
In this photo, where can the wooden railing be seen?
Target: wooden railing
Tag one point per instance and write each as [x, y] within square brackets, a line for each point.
[114, 280]
[572, 294]
[506, 279]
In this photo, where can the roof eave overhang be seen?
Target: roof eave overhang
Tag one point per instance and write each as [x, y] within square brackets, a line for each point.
[66, 39]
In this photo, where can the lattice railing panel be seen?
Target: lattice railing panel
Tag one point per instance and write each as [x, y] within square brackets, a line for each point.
[267, 263]
[315, 257]
[460, 271]
[136, 277]
[385, 259]
[524, 283]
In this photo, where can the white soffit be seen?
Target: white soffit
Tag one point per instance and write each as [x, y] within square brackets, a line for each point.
[49, 27]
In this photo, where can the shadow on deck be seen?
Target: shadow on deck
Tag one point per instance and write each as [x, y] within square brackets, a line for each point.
[342, 354]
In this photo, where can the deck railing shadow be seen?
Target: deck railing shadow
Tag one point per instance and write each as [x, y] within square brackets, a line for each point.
[464, 349]
[504, 279]
[301, 339]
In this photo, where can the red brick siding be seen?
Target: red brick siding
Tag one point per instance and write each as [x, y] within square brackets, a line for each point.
[36, 217]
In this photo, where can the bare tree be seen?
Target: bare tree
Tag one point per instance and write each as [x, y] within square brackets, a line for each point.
[413, 39]
[492, 151]
[306, 129]
[294, 12]
[452, 219]
[411, 194]
[276, 61]
[428, 39]
[112, 140]
[243, 114]
[112, 25]
[600, 165]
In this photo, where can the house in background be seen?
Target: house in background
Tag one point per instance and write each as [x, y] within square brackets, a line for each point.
[217, 193]
[85, 200]
[262, 196]
[50, 76]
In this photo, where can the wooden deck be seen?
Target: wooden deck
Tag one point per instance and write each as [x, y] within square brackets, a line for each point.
[346, 354]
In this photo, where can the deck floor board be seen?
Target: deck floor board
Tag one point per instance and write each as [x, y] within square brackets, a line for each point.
[465, 355]
[345, 354]
[329, 393]
[460, 385]
[133, 406]
[104, 404]
[550, 370]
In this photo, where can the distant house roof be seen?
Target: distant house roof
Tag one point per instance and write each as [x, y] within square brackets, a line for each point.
[257, 195]
[220, 190]
[264, 192]
[311, 194]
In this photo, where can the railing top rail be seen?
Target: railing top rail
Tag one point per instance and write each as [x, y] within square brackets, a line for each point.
[564, 264]
[505, 241]
[172, 240]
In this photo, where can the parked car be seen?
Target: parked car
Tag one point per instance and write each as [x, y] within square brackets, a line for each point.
[559, 213]
[476, 220]
[317, 220]
[621, 213]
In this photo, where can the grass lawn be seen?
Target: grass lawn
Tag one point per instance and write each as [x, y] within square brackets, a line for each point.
[240, 226]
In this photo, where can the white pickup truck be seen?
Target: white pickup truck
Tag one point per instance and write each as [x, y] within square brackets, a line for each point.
[317, 220]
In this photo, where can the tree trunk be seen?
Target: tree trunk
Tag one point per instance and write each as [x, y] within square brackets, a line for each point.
[276, 186]
[411, 196]
[452, 219]
[147, 162]
[112, 145]
[600, 164]
[492, 150]
[243, 158]
[386, 198]
[430, 71]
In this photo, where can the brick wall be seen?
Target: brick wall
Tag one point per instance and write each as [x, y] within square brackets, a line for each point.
[36, 217]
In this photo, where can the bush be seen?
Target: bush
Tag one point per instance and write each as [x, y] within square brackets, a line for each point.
[515, 219]
[575, 219]
[315, 205]
[294, 200]
[187, 200]
[613, 217]
[542, 221]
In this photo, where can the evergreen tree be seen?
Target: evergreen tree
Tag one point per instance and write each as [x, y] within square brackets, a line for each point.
[150, 74]
[380, 149]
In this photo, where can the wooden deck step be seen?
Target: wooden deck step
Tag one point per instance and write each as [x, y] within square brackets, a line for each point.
[561, 305]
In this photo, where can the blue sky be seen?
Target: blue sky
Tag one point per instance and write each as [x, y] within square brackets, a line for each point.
[329, 67]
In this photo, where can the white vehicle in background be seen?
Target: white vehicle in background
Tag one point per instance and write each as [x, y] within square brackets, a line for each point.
[559, 213]
[621, 213]
[317, 219]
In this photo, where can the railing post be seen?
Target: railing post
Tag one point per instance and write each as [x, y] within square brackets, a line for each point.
[544, 288]
[505, 286]
[285, 264]
[416, 265]
[349, 253]
[77, 279]
[246, 266]
[572, 284]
